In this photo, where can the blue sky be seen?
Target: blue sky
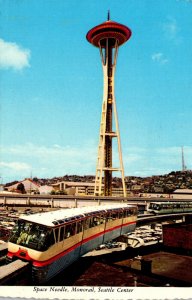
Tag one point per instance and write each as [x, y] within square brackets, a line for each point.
[51, 86]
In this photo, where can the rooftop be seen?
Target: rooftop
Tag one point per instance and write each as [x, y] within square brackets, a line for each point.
[47, 218]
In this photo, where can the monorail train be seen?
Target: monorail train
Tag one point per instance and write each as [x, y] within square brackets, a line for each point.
[51, 241]
[169, 207]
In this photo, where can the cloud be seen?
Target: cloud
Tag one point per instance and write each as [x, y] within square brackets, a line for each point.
[13, 56]
[58, 160]
[53, 152]
[51, 161]
[16, 166]
[155, 161]
[171, 30]
[159, 58]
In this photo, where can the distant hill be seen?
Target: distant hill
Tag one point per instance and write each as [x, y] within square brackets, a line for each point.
[159, 183]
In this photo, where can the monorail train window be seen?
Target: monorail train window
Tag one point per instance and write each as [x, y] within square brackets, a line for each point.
[94, 221]
[153, 206]
[14, 234]
[61, 236]
[32, 235]
[70, 230]
[91, 223]
[50, 238]
[79, 226]
[67, 231]
[46, 239]
[20, 232]
[109, 217]
[127, 213]
[114, 215]
[73, 228]
[56, 234]
[86, 223]
[120, 214]
[102, 219]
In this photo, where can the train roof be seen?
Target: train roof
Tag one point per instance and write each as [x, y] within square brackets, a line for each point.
[61, 216]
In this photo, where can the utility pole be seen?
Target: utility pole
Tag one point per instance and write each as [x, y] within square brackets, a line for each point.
[184, 168]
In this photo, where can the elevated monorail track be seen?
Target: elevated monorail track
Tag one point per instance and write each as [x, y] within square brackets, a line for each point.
[63, 201]
[149, 218]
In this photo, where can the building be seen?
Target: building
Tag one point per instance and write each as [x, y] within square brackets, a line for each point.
[45, 189]
[82, 188]
[182, 194]
[178, 236]
[75, 188]
[30, 186]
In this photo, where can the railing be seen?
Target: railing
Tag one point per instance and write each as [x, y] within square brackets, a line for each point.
[62, 200]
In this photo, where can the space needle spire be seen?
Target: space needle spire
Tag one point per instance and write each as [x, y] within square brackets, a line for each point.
[108, 15]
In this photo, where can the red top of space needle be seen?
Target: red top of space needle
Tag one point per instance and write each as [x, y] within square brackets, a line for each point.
[108, 29]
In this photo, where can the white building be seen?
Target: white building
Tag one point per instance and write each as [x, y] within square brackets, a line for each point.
[182, 194]
[45, 189]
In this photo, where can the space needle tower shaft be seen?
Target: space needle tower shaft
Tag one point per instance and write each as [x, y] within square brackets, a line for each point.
[108, 36]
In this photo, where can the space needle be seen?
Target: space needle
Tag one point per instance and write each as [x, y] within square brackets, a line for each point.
[108, 36]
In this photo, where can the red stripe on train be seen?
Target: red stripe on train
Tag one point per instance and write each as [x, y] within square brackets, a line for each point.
[49, 261]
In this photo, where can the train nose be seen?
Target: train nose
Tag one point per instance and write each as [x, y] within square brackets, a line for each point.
[23, 254]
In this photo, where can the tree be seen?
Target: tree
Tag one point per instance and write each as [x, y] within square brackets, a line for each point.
[21, 188]
[35, 179]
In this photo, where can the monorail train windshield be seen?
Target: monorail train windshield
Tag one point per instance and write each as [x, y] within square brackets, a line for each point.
[32, 235]
[155, 206]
